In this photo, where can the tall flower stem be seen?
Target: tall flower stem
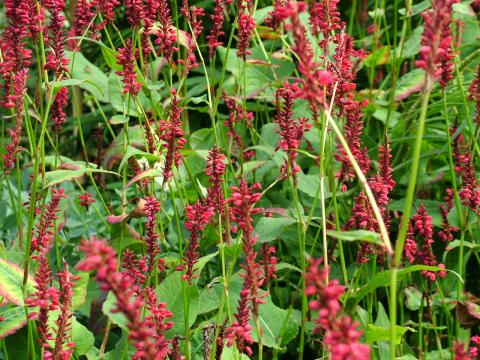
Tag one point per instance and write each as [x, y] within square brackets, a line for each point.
[406, 212]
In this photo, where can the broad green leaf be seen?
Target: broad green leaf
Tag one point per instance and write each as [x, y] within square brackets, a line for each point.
[378, 57]
[383, 279]
[279, 326]
[356, 235]
[118, 119]
[144, 174]
[83, 69]
[412, 45]
[413, 299]
[270, 229]
[80, 289]
[81, 336]
[11, 283]
[170, 291]
[133, 151]
[58, 176]
[376, 333]
[108, 308]
[409, 83]
[416, 9]
[13, 319]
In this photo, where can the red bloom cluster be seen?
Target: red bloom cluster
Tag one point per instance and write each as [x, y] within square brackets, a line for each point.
[135, 12]
[239, 331]
[314, 81]
[215, 171]
[469, 191]
[353, 131]
[86, 199]
[158, 321]
[436, 51]
[341, 333]
[446, 234]
[151, 208]
[44, 234]
[243, 200]
[290, 130]
[217, 28]
[166, 35]
[474, 94]
[422, 227]
[268, 263]
[134, 268]
[144, 336]
[199, 216]
[45, 299]
[325, 20]
[237, 114]
[171, 133]
[363, 216]
[64, 347]
[246, 24]
[126, 58]
[15, 100]
[83, 16]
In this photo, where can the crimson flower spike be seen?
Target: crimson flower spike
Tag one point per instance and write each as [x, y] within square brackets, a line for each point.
[215, 171]
[102, 258]
[171, 133]
[199, 216]
[126, 58]
[152, 208]
[436, 52]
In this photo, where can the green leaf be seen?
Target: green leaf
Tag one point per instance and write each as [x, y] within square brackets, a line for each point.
[376, 333]
[409, 83]
[170, 291]
[94, 80]
[412, 45]
[356, 235]
[108, 309]
[81, 336]
[416, 9]
[11, 283]
[80, 289]
[413, 299]
[133, 151]
[383, 279]
[144, 174]
[279, 326]
[118, 119]
[58, 176]
[270, 229]
[377, 57]
[13, 319]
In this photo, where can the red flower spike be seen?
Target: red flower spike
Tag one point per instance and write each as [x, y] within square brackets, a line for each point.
[290, 130]
[166, 35]
[215, 171]
[86, 199]
[103, 259]
[436, 52]
[44, 234]
[126, 58]
[474, 95]
[158, 320]
[217, 28]
[199, 216]
[64, 347]
[171, 133]
[151, 208]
